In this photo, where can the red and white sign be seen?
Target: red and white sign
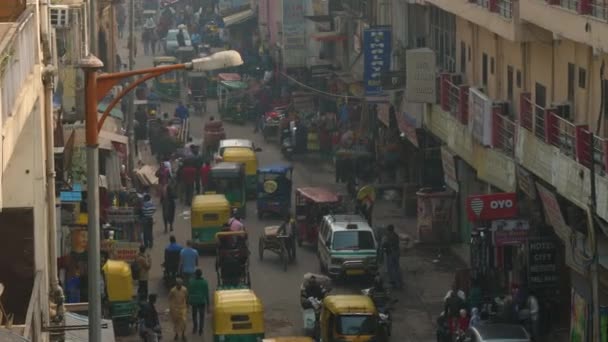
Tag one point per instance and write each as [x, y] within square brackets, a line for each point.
[492, 207]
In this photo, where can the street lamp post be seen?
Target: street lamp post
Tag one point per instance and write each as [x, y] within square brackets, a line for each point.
[97, 86]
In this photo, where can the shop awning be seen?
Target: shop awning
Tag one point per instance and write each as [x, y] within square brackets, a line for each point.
[238, 18]
[331, 36]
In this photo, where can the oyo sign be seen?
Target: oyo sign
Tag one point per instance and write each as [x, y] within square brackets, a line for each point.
[491, 207]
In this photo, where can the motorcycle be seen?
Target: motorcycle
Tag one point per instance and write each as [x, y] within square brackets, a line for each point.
[311, 306]
[384, 304]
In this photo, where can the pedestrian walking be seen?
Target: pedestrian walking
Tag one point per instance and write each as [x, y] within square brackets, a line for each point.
[188, 261]
[149, 323]
[178, 308]
[145, 39]
[168, 204]
[390, 245]
[147, 214]
[153, 41]
[187, 177]
[198, 297]
[204, 173]
[144, 263]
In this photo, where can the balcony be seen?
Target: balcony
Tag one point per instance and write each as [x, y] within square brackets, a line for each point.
[503, 132]
[583, 21]
[454, 97]
[18, 57]
[498, 16]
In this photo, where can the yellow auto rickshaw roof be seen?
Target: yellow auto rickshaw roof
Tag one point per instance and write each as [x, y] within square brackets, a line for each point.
[210, 202]
[164, 59]
[240, 153]
[237, 302]
[288, 339]
[117, 268]
[353, 304]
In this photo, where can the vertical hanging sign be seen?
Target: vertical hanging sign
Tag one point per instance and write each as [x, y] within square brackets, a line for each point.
[377, 57]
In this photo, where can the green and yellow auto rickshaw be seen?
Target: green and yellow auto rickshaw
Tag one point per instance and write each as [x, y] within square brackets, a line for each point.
[208, 215]
[229, 179]
[121, 305]
[248, 157]
[238, 316]
[231, 97]
[349, 318]
[167, 85]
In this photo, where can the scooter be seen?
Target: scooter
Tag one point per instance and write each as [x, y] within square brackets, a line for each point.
[384, 304]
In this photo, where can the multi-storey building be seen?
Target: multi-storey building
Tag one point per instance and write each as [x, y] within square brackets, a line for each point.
[520, 111]
[26, 174]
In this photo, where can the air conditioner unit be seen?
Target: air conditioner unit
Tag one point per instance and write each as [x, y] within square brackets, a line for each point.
[564, 110]
[59, 16]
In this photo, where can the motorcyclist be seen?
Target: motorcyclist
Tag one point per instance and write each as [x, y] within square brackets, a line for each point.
[311, 288]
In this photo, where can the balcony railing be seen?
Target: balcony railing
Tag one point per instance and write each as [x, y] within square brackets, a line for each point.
[18, 59]
[599, 9]
[454, 98]
[600, 156]
[532, 116]
[505, 8]
[561, 133]
[570, 4]
[503, 134]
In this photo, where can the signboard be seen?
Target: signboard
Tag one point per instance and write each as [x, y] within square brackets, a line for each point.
[480, 117]
[510, 232]
[409, 119]
[294, 33]
[120, 250]
[553, 213]
[421, 74]
[377, 57]
[491, 207]
[542, 263]
[449, 169]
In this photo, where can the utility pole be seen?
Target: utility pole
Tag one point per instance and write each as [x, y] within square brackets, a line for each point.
[131, 98]
[93, 34]
[592, 212]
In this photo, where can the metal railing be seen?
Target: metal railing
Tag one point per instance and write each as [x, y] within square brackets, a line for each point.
[526, 115]
[505, 8]
[483, 3]
[599, 153]
[539, 121]
[564, 135]
[18, 59]
[599, 9]
[570, 4]
[504, 134]
[453, 98]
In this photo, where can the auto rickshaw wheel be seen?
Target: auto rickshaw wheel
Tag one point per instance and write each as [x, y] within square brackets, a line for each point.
[261, 248]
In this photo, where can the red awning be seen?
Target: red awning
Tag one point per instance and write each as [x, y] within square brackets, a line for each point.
[329, 36]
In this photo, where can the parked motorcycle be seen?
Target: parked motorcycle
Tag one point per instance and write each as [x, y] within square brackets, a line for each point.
[288, 140]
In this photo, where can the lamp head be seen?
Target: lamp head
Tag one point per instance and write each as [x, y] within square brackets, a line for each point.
[219, 60]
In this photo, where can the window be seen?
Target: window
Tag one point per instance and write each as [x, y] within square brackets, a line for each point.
[443, 38]
[463, 57]
[353, 240]
[356, 325]
[492, 65]
[571, 71]
[518, 79]
[484, 69]
[582, 78]
[510, 83]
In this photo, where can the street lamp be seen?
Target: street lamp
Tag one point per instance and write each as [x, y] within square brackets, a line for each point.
[97, 86]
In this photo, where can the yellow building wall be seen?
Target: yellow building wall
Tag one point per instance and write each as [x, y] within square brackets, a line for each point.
[540, 68]
[511, 54]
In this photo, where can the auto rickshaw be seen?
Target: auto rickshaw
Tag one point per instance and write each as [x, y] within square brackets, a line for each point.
[167, 84]
[226, 143]
[209, 213]
[348, 318]
[311, 205]
[250, 160]
[229, 179]
[289, 339]
[121, 306]
[274, 189]
[238, 316]
[230, 97]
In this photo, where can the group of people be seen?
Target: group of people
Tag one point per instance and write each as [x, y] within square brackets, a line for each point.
[190, 289]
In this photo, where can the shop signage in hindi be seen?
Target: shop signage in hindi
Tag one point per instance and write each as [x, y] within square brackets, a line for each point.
[553, 213]
[491, 207]
[377, 57]
[480, 117]
[542, 263]
[421, 76]
[449, 169]
[510, 232]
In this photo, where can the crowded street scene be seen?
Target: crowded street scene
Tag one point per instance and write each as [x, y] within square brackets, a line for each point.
[304, 170]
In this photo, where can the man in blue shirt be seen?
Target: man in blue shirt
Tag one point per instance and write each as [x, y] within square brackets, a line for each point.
[172, 256]
[188, 262]
[181, 111]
